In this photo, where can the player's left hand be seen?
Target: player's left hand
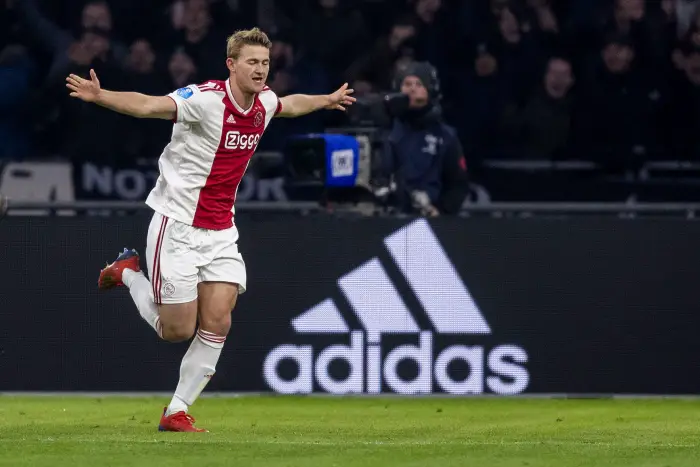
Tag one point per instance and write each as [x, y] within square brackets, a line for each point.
[83, 89]
[341, 98]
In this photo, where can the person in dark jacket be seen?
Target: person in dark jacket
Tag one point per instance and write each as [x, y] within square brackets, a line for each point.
[423, 155]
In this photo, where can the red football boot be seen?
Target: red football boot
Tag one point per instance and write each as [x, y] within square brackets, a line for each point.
[111, 275]
[179, 421]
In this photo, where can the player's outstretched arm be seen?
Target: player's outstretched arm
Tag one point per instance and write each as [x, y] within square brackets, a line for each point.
[296, 105]
[129, 103]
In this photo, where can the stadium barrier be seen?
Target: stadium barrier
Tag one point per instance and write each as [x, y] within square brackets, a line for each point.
[687, 209]
[585, 305]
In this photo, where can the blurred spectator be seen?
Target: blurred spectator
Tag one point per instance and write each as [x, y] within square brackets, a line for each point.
[683, 12]
[374, 70]
[501, 71]
[632, 19]
[540, 129]
[621, 107]
[83, 131]
[684, 127]
[486, 92]
[82, 47]
[201, 40]
[304, 72]
[92, 50]
[540, 17]
[16, 69]
[145, 139]
[520, 54]
[478, 20]
[334, 35]
[543, 18]
[141, 68]
[430, 33]
[236, 14]
[290, 73]
[627, 14]
[182, 70]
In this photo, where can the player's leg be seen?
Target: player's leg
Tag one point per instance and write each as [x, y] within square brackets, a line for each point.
[216, 300]
[221, 282]
[168, 301]
[174, 322]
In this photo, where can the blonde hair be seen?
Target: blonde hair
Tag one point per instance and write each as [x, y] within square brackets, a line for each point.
[238, 39]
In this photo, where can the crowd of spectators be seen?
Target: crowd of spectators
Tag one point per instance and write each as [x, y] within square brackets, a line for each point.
[614, 81]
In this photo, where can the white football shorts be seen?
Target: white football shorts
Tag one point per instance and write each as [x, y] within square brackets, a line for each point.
[180, 256]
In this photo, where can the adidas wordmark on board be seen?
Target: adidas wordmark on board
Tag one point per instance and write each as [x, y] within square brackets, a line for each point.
[380, 309]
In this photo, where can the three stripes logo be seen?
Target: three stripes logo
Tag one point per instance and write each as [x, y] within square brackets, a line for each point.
[381, 310]
[209, 86]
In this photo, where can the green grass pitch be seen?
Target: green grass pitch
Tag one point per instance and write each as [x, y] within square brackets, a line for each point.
[363, 432]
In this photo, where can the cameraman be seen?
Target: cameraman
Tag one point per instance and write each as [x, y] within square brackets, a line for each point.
[422, 155]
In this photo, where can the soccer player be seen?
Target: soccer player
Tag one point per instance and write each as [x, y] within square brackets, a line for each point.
[196, 271]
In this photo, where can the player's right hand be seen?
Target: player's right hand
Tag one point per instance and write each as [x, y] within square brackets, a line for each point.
[83, 89]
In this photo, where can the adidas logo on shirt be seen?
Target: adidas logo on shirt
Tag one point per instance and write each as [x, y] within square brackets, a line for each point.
[381, 310]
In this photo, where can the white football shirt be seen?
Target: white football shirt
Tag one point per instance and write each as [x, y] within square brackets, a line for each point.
[211, 146]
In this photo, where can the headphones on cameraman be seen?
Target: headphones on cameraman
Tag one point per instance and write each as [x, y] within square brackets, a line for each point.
[428, 75]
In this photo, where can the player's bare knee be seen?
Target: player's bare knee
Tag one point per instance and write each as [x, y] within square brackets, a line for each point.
[177, 332]
[219, 324]
[178, 321]
[216, 300]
